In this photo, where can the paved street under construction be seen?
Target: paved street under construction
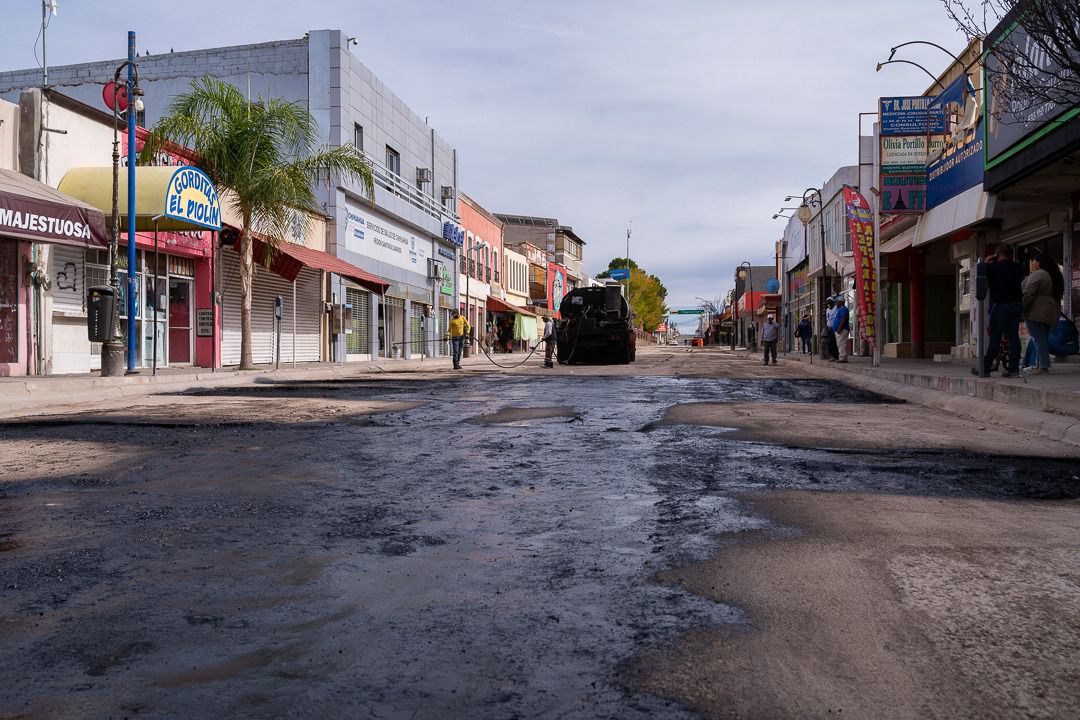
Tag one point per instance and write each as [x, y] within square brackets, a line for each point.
[692, 535]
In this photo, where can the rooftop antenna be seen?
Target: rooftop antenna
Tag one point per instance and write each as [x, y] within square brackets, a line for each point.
[46, 7]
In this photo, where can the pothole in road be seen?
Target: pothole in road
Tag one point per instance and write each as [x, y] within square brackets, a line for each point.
[523, 414]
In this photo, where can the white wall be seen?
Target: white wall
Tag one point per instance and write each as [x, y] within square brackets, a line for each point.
[9, 135]
[85, 143]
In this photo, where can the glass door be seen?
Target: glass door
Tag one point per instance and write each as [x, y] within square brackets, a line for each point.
[179, 320]
[155, 328]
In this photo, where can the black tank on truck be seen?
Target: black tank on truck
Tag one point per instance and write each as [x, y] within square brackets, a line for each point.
[595, 327]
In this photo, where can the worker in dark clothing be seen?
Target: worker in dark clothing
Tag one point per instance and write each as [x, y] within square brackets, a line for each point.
[1004, 276]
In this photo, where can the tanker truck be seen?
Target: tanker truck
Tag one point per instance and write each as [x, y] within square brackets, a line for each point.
[595, 327]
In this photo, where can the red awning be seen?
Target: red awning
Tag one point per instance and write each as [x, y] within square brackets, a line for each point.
[33, 211]
[290, 258]
[496, 305]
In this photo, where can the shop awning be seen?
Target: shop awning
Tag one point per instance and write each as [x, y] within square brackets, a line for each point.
[93, 186]
[33, 211]
[496, 305]
[966, 209]
[899, 242]
[290, 258]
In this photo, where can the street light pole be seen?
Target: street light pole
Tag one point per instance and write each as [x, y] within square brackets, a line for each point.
[734, 310]
[469, 248]
[133, 283]
[112, 351]
[805, 215]
[748, 288]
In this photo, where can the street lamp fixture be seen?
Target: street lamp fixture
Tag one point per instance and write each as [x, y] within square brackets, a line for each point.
[780, 213]
[892, 50]
[909, 62]
[112, 351]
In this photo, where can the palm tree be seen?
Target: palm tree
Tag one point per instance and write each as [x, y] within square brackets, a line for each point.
[263, 157]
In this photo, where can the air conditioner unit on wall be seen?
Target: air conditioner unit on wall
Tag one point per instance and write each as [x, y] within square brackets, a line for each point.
[434, 268]
[423, 175]
[448, 192]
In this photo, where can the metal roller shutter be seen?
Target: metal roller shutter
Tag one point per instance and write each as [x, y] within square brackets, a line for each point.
[359, 341]
[308, 318]
[68, 279]
[265, 288]
[416, 333]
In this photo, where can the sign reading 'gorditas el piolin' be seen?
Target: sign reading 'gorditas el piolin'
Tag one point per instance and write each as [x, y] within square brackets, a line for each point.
[191, 197]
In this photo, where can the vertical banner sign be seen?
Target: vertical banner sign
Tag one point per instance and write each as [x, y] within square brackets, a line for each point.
[861, 223]
[556, 285]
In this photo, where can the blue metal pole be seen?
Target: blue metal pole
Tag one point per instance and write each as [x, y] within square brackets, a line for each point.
[133, 283]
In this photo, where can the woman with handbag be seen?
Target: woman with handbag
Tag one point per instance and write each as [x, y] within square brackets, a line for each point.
[1043, 289]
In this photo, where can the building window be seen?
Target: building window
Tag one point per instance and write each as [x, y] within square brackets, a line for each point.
[358, 136]
[393, 160]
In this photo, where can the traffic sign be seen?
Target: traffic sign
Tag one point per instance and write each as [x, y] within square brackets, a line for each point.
[696, 311]
[620, 274]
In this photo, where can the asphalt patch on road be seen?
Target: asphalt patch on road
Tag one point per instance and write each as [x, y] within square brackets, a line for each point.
[413, 564]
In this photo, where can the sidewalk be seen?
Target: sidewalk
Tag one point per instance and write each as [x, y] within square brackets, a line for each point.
[1047, 404]
[27, 395]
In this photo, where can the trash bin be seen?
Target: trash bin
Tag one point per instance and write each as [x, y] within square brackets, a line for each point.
[100, 313]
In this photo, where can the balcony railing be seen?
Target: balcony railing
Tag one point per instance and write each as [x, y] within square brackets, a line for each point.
[396, 185]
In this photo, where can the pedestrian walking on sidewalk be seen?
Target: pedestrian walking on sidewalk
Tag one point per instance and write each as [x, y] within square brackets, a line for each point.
[803, 332]
[1042, 291]
[841, 327]
[549, 341]
[459, 330]
[770, 333]
[1004, 276]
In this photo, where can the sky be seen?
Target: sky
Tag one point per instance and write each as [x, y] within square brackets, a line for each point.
[687, 121]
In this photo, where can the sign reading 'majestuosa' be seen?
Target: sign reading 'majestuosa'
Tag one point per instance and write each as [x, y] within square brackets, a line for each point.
[191, 197]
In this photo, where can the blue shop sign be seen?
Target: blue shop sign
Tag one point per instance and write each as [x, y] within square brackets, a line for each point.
[960, 165]
[447, 254]
[452, 232]
[909, 116]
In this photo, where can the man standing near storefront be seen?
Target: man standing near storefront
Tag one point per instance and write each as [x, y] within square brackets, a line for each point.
[1004, 276]
[841, 326]
[459, 330]
[770, 333]
[828, 337]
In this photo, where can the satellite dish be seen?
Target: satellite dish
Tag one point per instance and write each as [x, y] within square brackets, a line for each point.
[772, 285]
[119, 92]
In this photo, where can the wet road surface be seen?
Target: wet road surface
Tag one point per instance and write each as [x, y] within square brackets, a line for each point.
[490, 546]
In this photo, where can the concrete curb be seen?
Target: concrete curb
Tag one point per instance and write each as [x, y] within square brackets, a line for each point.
[1046, 424]
[1014, 393]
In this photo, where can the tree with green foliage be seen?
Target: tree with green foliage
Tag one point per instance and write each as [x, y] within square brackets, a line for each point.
[263, 156]
[647, 293]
